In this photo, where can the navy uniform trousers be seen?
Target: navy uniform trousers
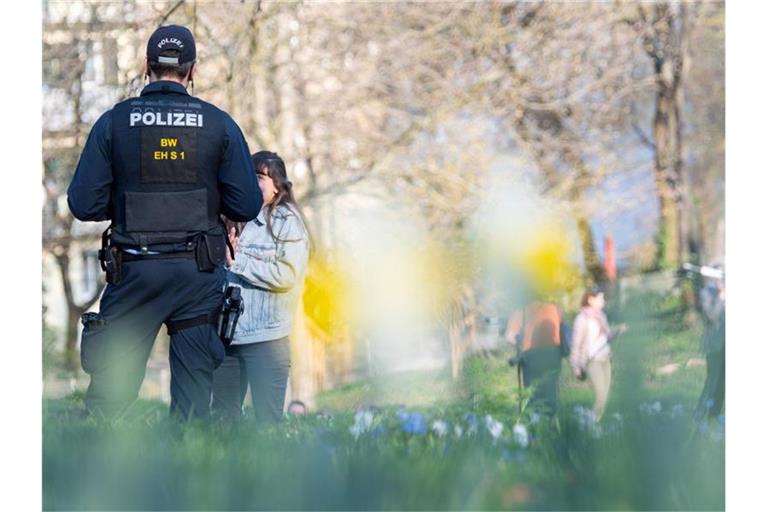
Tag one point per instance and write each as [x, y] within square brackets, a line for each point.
[115, 354]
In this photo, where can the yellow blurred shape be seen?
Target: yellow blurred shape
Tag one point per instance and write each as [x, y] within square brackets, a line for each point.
[325, 296]
[545, 260]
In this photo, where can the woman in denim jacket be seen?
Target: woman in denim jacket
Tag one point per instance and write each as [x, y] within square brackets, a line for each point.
[271, 255]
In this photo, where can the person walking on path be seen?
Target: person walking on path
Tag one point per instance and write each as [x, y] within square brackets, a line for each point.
[712, 301]
[541, 336]
[590, 356]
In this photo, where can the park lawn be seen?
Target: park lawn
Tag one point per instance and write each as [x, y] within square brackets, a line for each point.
[656, 338]
[645, 456]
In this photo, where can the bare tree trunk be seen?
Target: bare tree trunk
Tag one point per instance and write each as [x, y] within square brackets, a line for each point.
[70, 329]
[592, 261]
[664, 43]
[670, 246]
[71, 358]
[462, 327]
[576, 187]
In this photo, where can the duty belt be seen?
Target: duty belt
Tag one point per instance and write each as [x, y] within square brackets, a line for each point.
[158, 248]
[157, 251]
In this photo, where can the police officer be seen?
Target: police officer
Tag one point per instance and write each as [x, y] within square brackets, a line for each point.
[161, 167]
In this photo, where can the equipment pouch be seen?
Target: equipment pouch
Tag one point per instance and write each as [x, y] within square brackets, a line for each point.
[116, 275]
[93, 345]
[111, 260]
[210, 252]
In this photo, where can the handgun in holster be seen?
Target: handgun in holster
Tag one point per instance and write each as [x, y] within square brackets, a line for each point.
[231, 310]
[111, 259]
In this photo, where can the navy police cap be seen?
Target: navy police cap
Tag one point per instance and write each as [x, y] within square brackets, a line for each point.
[171, 37]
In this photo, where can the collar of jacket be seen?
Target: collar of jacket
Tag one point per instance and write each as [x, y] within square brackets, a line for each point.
[260, 219]
[164, 86]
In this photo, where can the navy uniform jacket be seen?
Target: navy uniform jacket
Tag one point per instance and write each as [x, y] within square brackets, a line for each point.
[90, 192]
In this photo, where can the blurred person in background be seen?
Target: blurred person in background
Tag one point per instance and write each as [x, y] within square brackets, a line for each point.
[296, 408]
[271, 255]
[541, 337]
[590, 356]
[712, 305]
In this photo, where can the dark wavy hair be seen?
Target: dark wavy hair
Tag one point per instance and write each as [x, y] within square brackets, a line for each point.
[270, 164]
[591, 292]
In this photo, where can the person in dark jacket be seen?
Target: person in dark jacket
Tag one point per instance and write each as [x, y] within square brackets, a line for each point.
[540, 334]
[712, 303]
[162, 167]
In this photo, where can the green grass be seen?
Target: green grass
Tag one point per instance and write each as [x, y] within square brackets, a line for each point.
[646, 461]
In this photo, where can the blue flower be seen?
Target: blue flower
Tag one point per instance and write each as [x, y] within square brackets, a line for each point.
[415, 424]
[472, 423]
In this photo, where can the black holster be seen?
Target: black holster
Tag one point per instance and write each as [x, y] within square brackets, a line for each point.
[224, 319]
[111, 259]
[231, 310]
[210, 251]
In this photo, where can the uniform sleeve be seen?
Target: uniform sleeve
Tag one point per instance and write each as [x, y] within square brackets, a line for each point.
[90, 193]
[241, 198]
[281, 273]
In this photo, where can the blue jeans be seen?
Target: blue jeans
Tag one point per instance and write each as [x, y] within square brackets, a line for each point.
[264, 367]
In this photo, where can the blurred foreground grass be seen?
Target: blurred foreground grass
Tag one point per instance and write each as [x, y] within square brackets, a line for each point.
[424, 442]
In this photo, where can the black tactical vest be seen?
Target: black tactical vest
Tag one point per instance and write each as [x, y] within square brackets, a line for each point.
[166, 152]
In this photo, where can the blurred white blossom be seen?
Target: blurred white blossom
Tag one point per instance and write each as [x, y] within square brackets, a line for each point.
[495, 427]
[363, 422]
[520, 434]
[440, 427]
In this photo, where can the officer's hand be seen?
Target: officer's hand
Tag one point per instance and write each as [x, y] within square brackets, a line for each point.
[232, 235]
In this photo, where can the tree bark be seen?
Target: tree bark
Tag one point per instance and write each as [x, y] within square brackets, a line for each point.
[664, 43]
[71, 357]
[576, 187]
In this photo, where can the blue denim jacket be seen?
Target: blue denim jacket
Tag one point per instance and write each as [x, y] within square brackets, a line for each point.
[270, 274]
